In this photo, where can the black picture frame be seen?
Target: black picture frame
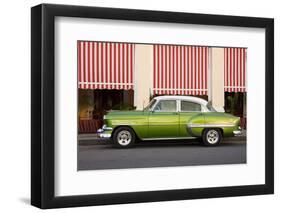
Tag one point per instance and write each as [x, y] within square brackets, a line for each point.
[43, 117]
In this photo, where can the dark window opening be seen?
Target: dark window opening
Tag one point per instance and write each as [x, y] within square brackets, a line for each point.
[235, 104]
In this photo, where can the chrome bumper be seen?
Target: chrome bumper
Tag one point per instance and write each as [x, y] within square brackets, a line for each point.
[102, 133]
[237, 132]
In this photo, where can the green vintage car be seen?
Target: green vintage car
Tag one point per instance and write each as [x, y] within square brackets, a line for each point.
[170, 118]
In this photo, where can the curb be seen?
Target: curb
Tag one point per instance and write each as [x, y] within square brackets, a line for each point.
[88, 136]
[105, 141]
[237, 138]
[99, 141]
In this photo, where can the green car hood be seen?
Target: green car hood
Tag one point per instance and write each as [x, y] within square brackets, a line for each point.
[127, 113]
[132, 117]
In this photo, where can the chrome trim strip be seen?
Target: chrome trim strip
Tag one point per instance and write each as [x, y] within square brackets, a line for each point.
[210, 125]
[160, 124]
[198, 112]
[165, 124]
[146, 139]
[130, 124]
[172, 112]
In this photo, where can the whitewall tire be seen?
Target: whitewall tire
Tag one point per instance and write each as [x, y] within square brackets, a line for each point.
[212, 137]
[123, 137]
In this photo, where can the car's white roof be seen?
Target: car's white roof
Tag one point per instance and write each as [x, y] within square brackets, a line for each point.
[184, 98]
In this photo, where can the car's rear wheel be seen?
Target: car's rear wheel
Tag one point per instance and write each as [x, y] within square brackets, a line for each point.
[124, 137]
[211, 137]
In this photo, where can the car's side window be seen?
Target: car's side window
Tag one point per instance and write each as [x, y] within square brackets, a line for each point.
[166, 106]
[187, 106]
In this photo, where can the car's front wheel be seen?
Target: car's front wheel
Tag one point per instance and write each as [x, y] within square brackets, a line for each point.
[123, 137]
[211, 137]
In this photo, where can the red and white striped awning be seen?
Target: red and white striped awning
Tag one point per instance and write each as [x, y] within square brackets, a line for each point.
[180, 70]
[235, 69]
[105, 65]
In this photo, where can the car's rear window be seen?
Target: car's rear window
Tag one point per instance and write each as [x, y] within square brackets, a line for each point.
[187, 106]
[210, 107]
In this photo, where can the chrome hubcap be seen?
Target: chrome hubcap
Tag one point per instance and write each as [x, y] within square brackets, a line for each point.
[124, 137]
[212, 136]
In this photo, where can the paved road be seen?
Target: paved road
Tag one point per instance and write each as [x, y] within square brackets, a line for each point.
[159, 154]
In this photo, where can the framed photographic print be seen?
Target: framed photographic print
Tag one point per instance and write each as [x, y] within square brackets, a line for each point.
[140, 106]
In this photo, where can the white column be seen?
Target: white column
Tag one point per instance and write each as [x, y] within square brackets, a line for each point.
[216, 75]
[143, 70]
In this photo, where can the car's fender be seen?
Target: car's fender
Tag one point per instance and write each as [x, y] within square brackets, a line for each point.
[195, 125]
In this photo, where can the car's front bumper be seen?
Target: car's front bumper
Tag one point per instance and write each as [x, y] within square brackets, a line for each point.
[105, 132]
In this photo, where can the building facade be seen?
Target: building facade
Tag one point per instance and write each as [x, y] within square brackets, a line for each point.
[141, 71]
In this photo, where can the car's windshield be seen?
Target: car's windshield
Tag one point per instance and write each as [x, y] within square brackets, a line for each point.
[210, 107]
[150, 105]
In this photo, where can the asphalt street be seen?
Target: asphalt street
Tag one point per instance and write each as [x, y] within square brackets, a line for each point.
[93, 156]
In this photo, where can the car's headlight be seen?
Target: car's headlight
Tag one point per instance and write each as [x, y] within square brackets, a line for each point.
[106, 128]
